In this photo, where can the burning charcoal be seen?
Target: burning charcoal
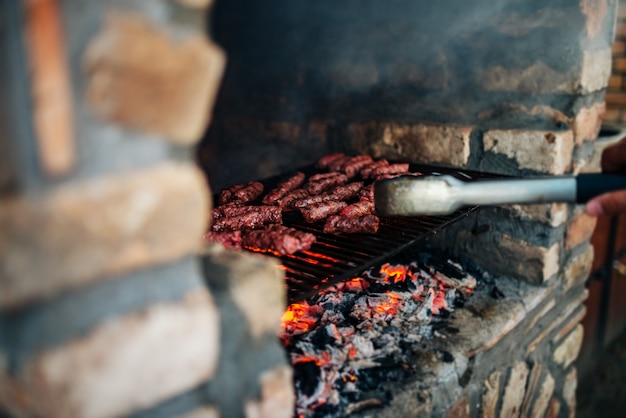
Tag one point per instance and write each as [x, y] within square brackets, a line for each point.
[306, 374]
[497, 293]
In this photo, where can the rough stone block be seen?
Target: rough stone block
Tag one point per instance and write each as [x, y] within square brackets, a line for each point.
[578, 268]
[568, 350]
[594, 11]
[587, 123]
[538, 264]
[140, 76]
[541, 151]
[554, 214]
[277, 395]
[543, 399]
[443, 144]
[256, 285]
[491, 395]
[569, 392]
[514, 391]
[579, 230]
[87, 230]
[124, 364]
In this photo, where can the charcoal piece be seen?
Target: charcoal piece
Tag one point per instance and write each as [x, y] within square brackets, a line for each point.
[307, 376]
[497, 293]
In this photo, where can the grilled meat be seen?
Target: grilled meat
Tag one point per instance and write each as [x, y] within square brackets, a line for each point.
[283, 188]
[367, 170]
[323, 162]
[360, 208]
[250, 220]
[338, 223]
[344, 192]
[321, 185]
[353, 165]
[249, 192]
[279, 238]
[229, 239]
[319, 211]
[397, 169]
[227, 195]
[286, 203]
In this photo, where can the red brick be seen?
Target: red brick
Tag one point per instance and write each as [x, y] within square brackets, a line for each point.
[618, 48]
[615, 82]
[619, 65]
[89, 230]
[140, 77]
[53, 117]
[615, 99]
[588, 122]
[579, 230]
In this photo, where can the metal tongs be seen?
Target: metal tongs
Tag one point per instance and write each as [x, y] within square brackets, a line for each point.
[444, 194]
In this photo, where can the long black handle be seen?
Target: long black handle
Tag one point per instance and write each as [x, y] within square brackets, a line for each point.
[591, 185]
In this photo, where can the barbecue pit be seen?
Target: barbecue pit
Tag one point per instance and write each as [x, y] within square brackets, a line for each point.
[125, 119]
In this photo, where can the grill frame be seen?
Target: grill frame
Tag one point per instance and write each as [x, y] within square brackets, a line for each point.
[335, 258]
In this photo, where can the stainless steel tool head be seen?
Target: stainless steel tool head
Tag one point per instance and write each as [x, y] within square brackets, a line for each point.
[411, 195]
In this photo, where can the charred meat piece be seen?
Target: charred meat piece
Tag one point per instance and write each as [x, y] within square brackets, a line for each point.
[249, 192]
[229, 239]
[360, 208]
[327, 159]
[231, 210]
[286, 203]
[397, 169]
[250, 220]
[228, 194]
[283, 188]
[325, 184]
[367, 170]
[344, 192]
[320, 176]
[336, 165]
[338, 223]
[319, 211]
[279, 238]
[367, 193]
[353, 165]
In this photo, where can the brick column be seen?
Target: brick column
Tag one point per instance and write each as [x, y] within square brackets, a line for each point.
[103, 307]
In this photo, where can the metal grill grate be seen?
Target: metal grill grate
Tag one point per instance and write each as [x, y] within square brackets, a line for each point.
[338, 257]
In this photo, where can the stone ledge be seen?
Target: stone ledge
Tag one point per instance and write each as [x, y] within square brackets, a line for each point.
[84, 231]
[541, 151]
[425, 143]
[106, 373]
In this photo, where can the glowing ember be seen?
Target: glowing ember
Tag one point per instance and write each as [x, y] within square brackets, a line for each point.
[358, 325]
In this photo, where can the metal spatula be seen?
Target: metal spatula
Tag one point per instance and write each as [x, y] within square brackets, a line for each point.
[442, 195]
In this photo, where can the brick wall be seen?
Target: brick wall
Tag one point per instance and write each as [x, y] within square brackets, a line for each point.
[616, 91]
[105, 308]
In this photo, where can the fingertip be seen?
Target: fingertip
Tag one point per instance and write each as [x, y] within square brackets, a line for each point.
[594, 208]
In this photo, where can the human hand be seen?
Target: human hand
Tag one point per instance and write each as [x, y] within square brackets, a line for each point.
[613, 160]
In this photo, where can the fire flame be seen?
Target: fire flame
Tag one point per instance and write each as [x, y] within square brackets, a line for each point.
[296, 318]
[393, 274]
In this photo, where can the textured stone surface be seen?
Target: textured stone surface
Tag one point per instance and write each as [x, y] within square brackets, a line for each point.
[541, 151]
[491, 395]
[569, 392]
[579, 230]
[124, 364]
[514, 391]
[578, 268]
[543, 399]
[538, 264]
[140, 77]
[444, 144]
[460, 409]
[568, 350]
[277, 395]
[256, 285]
[588, 122]
[98, 228]
[553, 214]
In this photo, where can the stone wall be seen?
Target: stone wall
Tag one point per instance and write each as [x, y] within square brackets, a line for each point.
[104, 306]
